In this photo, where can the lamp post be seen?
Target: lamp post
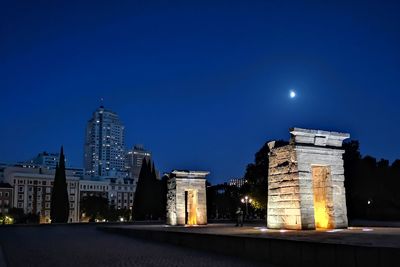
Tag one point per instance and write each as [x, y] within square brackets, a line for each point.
[130, 213]
[369, 206]
[246, 200]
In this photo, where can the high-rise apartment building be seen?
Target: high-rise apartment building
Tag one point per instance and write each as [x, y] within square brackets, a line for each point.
[104, 144]
[45, 159]
[134, 159]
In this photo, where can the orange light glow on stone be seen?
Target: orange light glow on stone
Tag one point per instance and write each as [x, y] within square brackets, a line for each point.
[320, 176]
[192, 203]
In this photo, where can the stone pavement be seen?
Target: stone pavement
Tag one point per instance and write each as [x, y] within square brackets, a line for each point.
[359, 236]
[353, 247]
[82, 245]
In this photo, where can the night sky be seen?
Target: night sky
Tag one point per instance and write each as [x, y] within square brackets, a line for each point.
[202, 85]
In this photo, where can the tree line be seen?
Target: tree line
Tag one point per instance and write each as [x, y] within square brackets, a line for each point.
[371, 187]
[371, 191]
[149, 200]
[151, 194]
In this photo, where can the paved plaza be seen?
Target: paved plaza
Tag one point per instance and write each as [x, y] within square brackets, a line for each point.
[353, 247]
[358, 236]
[83, 245]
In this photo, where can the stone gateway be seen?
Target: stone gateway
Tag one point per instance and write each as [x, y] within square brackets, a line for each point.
[306, 181]
[186, 198]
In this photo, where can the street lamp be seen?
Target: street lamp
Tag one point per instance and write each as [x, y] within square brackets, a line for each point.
[369, 207]
[130, 213]
[246, 200]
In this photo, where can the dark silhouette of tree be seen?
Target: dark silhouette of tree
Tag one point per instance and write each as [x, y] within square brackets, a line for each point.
[371, 185]
[18, 215]
[59, 209]
[394, 181]
[150, 196]
[32, 218]
[162, 201]
[114, 215]
[141, 203]
[351, 159]
[257, 178]
[94, 207]
[222, 201]
[153, 171]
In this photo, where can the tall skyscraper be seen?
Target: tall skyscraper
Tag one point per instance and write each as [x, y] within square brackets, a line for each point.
[104, 144]
[134, 159]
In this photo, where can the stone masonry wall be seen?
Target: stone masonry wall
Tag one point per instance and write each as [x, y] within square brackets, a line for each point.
[308, 157]
[198, 185]
[306, 182]
[176, 199]
[171, 201]
[283, 189]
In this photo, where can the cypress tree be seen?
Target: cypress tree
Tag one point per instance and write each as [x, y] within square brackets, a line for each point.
[59, 210]
[141, 207]
[153, 171]
[162, 206]
[149, 200]
[155, 191]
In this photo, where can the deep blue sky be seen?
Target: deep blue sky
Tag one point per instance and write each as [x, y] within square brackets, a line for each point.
[203, 85]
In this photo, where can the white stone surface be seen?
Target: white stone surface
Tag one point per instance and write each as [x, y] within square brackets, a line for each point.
[318, 137]
[290, 182]
[180, 182]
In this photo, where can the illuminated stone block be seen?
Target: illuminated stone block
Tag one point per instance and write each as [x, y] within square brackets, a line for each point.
[186, 198]
[306, 181]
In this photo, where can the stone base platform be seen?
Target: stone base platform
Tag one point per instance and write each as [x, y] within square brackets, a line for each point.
[356, 246]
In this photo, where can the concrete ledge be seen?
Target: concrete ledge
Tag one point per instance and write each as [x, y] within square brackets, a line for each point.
[275, 251]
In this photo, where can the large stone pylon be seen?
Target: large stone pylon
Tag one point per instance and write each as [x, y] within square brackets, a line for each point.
[306, 181]
[186, 198]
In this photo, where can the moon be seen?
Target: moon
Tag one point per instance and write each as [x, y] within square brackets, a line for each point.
[292, 94]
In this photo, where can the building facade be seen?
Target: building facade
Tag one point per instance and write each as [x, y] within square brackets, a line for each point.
[121, 193]
[104, 144]
[238, 182]
[29, 187]
[45, 159]
[32, 189]
[88, 188]
[6, 197]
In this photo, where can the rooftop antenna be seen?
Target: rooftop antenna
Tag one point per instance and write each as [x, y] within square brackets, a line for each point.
[101, 102]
